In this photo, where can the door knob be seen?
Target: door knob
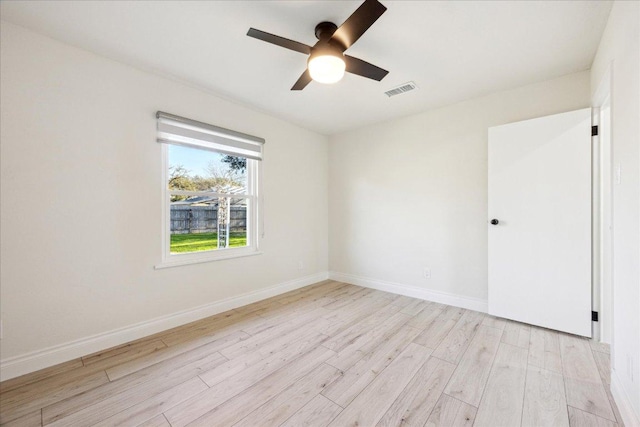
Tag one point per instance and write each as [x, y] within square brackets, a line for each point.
[495, 222]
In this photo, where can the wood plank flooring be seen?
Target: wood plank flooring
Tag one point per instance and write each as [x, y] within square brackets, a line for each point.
[330, 354]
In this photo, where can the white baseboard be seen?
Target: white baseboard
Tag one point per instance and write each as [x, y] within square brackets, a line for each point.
[470, 303]
[629, 417]
[19, 365]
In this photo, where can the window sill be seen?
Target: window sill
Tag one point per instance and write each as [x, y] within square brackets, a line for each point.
[200, 260]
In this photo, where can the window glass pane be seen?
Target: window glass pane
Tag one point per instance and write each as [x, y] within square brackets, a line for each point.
[191, 169]
[205, 224]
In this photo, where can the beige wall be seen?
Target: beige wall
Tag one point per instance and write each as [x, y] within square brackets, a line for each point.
[619, 52]
[81, 199]
[412, 193]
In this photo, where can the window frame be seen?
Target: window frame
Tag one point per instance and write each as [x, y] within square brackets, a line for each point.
[253, 195]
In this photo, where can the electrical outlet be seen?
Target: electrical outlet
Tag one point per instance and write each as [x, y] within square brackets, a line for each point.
[300, 265]
[618, 173]
[427, 273]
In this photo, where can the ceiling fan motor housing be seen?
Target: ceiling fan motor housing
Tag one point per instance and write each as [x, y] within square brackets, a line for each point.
[324, 50]
[325, 30]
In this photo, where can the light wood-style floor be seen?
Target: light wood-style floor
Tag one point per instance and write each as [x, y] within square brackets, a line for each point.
[330, 354]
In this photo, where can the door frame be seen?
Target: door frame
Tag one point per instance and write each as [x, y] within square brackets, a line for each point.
[602, 251]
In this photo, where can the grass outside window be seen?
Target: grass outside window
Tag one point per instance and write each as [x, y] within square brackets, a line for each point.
[197, 242]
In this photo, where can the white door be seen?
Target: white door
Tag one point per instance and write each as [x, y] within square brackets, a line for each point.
[540, 195]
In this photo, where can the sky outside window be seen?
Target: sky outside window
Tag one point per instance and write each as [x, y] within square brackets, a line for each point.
[195, 161]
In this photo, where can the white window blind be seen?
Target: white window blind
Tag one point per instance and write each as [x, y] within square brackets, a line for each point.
[182, 131]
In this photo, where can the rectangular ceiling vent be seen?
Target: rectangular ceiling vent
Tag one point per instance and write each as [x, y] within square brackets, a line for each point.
[405, 87]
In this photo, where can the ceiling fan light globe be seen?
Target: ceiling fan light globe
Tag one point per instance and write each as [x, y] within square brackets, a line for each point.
[326, 68]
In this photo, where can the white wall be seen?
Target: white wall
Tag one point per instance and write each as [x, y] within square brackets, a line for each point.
[412, 193]
[81, 202]
[619, 51]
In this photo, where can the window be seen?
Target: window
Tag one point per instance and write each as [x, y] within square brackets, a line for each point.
[210, 187]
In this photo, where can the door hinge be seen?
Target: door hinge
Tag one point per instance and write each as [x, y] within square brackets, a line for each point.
[594, 316]
[594, 130]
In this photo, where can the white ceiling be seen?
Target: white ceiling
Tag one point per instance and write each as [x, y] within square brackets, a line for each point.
[451, 50]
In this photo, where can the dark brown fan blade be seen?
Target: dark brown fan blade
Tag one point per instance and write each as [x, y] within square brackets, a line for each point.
[280, 41]
[363, 68]
[303, 81]
[359, 22]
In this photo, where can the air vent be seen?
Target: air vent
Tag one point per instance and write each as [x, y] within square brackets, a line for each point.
[406, 87]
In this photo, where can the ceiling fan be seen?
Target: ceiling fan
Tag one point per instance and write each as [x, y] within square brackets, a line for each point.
[327, 61]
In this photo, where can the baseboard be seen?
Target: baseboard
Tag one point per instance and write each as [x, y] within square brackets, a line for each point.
[629, 416]
[470, 303]
[34, 361]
